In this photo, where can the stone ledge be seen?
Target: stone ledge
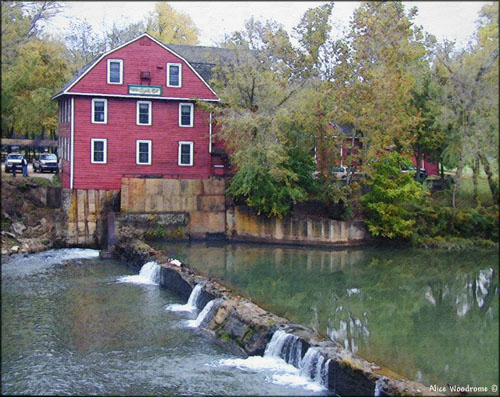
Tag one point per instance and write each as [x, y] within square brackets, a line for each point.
[244, 329]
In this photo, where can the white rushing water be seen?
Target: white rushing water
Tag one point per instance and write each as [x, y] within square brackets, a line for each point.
[20, 264]
[203, 314]
[149, 274]
[191, 304]
[283, 350]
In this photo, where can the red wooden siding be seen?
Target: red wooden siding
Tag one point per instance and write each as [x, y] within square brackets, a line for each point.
[122, 132]
[138, 57]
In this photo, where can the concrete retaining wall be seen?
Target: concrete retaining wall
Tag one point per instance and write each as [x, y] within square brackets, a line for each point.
[242, 223]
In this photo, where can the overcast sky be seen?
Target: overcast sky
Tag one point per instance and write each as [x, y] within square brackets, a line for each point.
[453, 20]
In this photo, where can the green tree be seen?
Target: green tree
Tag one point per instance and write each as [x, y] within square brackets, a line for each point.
[170, 26]
[33, 68]
[386, 48]
[39, 69]
[22, 22]
[391, 196]
[469, 79]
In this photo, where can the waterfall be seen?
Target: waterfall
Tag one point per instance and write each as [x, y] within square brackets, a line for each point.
[289, 348]
[191, 304]
[286, 346]
[149, 274]
[379, 388]
[314, 366]
[203, 314]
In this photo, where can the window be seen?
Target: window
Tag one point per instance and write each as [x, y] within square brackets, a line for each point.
[143, 152]
[115, 71]
[64, 110]
[144, 113]
[99, 111]
[185, 114]
[98, 148]
[174, 74]
[185, 153]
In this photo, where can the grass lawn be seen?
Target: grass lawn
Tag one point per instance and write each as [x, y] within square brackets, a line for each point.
[465, 192]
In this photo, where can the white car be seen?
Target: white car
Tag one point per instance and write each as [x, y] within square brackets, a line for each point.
[45, 162]
[14, 160]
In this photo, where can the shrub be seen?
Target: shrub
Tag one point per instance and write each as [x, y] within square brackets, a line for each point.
[390, 204]
[272, 182]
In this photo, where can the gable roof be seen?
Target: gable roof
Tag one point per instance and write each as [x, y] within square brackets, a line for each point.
[200, 59]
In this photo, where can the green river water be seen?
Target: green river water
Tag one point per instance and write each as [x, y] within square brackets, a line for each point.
[428, 315]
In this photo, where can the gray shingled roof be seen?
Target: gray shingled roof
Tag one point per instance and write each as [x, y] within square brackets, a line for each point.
[201, 58]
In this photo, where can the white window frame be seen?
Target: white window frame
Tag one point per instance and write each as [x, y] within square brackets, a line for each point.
[191, 124]
[150, 113]
[105, 150]
[120, 61]
[150, 152]
[180, 75]
[94, 100]
[191, 153]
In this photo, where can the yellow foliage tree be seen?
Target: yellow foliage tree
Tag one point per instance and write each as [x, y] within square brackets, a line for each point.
[170, 26]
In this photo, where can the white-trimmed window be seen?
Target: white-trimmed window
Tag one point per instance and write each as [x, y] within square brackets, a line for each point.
[143, 152]
[185, 153]
[115, 71]
[98, 149]
[99, 111]
[144, 112]
[174, 74]
[186, 111]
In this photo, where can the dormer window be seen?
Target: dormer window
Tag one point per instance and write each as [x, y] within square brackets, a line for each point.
[115, 71]
[174, 75]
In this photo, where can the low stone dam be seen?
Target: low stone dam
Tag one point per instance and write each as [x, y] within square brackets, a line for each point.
[75, 323]
[264, 340]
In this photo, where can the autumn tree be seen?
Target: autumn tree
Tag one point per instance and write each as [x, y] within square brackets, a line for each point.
[469, 78]
[385, 48]
[170, 26]
[272, 160]
[33, 68]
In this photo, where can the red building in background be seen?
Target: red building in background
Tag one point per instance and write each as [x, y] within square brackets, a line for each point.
[133, 112]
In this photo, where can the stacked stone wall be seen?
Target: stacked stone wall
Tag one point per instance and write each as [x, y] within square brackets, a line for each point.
[86, 212]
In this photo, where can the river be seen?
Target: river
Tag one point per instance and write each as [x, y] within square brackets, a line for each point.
[428, 315]
[76, 324]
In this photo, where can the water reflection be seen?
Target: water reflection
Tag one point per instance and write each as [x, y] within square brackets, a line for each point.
[431, 316]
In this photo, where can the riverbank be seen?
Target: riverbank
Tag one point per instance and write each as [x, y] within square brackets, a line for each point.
[245, 328]
[30, 220]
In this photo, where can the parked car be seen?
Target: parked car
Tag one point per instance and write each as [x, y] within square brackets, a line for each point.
[45, 162]
[339, 172]
[413, 170]
[13, 160]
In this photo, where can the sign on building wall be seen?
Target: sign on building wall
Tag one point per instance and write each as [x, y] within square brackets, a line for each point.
[144, 89]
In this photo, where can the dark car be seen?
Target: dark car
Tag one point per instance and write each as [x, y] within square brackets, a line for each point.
[45, 162]
[14, 160]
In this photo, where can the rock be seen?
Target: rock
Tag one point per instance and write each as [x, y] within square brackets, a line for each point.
[4, 233]
[43, 221]
[4, 251]
[18, 228]
[15, 248]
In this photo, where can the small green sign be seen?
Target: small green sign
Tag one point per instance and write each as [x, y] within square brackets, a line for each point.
[144, 89]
